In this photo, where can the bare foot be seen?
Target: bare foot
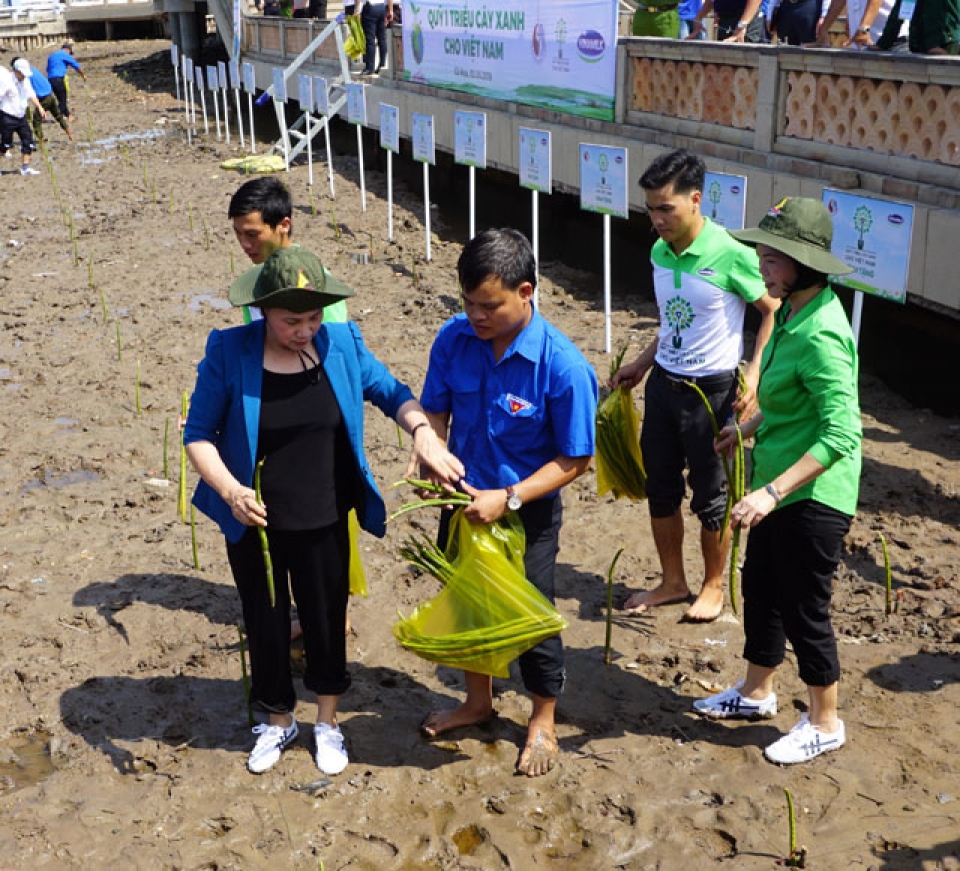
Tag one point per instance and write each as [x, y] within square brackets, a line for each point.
[540, 755]
[438, 722]
[639, 602]
[707, 606]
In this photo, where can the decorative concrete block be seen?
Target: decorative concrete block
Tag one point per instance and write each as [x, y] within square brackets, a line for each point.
[690, 90]
[664, 88]
[642, 85]
[801, 104]
[834, 111]
[745, 87]
[718, 94]
[875, 114]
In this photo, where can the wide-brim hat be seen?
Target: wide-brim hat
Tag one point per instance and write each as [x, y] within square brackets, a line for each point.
[802, 229]
[290, 278]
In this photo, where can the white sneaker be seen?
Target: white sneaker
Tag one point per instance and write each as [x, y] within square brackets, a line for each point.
[272, 742]
[805, 742]
[331, 755]
[29, 170]
[731, 705]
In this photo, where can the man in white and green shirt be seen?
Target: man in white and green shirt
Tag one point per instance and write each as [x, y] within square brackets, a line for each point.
[703, 279]
[261, 211]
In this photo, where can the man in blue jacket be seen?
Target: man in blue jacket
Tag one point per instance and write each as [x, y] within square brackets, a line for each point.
[58, 64]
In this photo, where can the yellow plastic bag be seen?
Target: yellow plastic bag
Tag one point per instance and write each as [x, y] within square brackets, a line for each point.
[358, 577]
[356, 43]
[487, 613]
[619, 464]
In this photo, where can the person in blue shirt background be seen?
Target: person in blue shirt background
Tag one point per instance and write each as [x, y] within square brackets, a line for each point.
[41, 87]
[58, 65]
[687, 11]
[516, 402]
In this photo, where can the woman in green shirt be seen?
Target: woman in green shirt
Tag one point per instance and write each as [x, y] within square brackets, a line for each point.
[806, 475]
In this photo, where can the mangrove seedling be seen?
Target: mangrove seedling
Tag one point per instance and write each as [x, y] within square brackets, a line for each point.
[798, 856]
[182, 489]
[887, 576]
[166, 437]
[333, 217]
[264, 541]
[103, 306]
[244, 675]
[116, 323]
[439, 497]
[609, 634]
[137, 390]
[193, 538]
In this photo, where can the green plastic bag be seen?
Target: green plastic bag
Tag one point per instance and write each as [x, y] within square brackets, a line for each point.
[356, 43]
[488, 613]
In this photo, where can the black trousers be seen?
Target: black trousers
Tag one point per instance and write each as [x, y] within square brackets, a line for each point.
[315, 566]
[792, 555]
[10, 124]
[676, 433]
[60, 92]
[541, 667]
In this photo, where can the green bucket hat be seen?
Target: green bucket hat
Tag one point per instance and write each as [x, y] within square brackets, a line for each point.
[802, 229]
[290, 278]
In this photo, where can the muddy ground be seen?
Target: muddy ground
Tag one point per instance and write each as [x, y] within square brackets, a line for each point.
[122, 716]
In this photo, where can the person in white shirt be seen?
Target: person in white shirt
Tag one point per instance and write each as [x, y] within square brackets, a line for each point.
[15, 95]
[866, 20]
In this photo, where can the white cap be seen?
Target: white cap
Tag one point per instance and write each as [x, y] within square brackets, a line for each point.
[22, 66]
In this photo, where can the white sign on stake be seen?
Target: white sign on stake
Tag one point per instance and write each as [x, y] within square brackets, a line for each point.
[175, 61]
[470, 149]
[186, 102]
[535, 170]
[198, 73]
[212, 82]
[222, 82]
[390, 142]
[321, 102]
[873, 237]
[250, 86]
[603, 189]
[280, 97]
[234, 70]
[424, 151]
[725, 199]
[188, 84]
[357, 114]
[305, 98]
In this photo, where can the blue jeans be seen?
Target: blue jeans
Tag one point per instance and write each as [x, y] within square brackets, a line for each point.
[374, 21]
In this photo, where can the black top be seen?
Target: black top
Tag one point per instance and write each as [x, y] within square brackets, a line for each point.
[306, 478]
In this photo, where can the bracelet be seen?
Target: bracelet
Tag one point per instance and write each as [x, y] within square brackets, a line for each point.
[743, 25]
[413, 432]
[773, 493]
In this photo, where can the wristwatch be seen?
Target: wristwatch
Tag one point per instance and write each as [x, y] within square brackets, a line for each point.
[864, 30]
[514, 502]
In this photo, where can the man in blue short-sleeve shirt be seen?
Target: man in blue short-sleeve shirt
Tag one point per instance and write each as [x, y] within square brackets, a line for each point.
[516, 402]
[58, 65]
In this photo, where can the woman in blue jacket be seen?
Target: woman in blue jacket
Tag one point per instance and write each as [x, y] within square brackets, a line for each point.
[288, 390]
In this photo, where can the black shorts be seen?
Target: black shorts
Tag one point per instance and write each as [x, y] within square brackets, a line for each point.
[677, 434]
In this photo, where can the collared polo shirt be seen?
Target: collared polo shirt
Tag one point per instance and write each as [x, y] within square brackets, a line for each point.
[58, 62]
[702, 295]
[41, 87]
[510, 418]
[15, 94]
[808, 397]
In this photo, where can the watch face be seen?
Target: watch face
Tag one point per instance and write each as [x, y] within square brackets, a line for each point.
[514, 503]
